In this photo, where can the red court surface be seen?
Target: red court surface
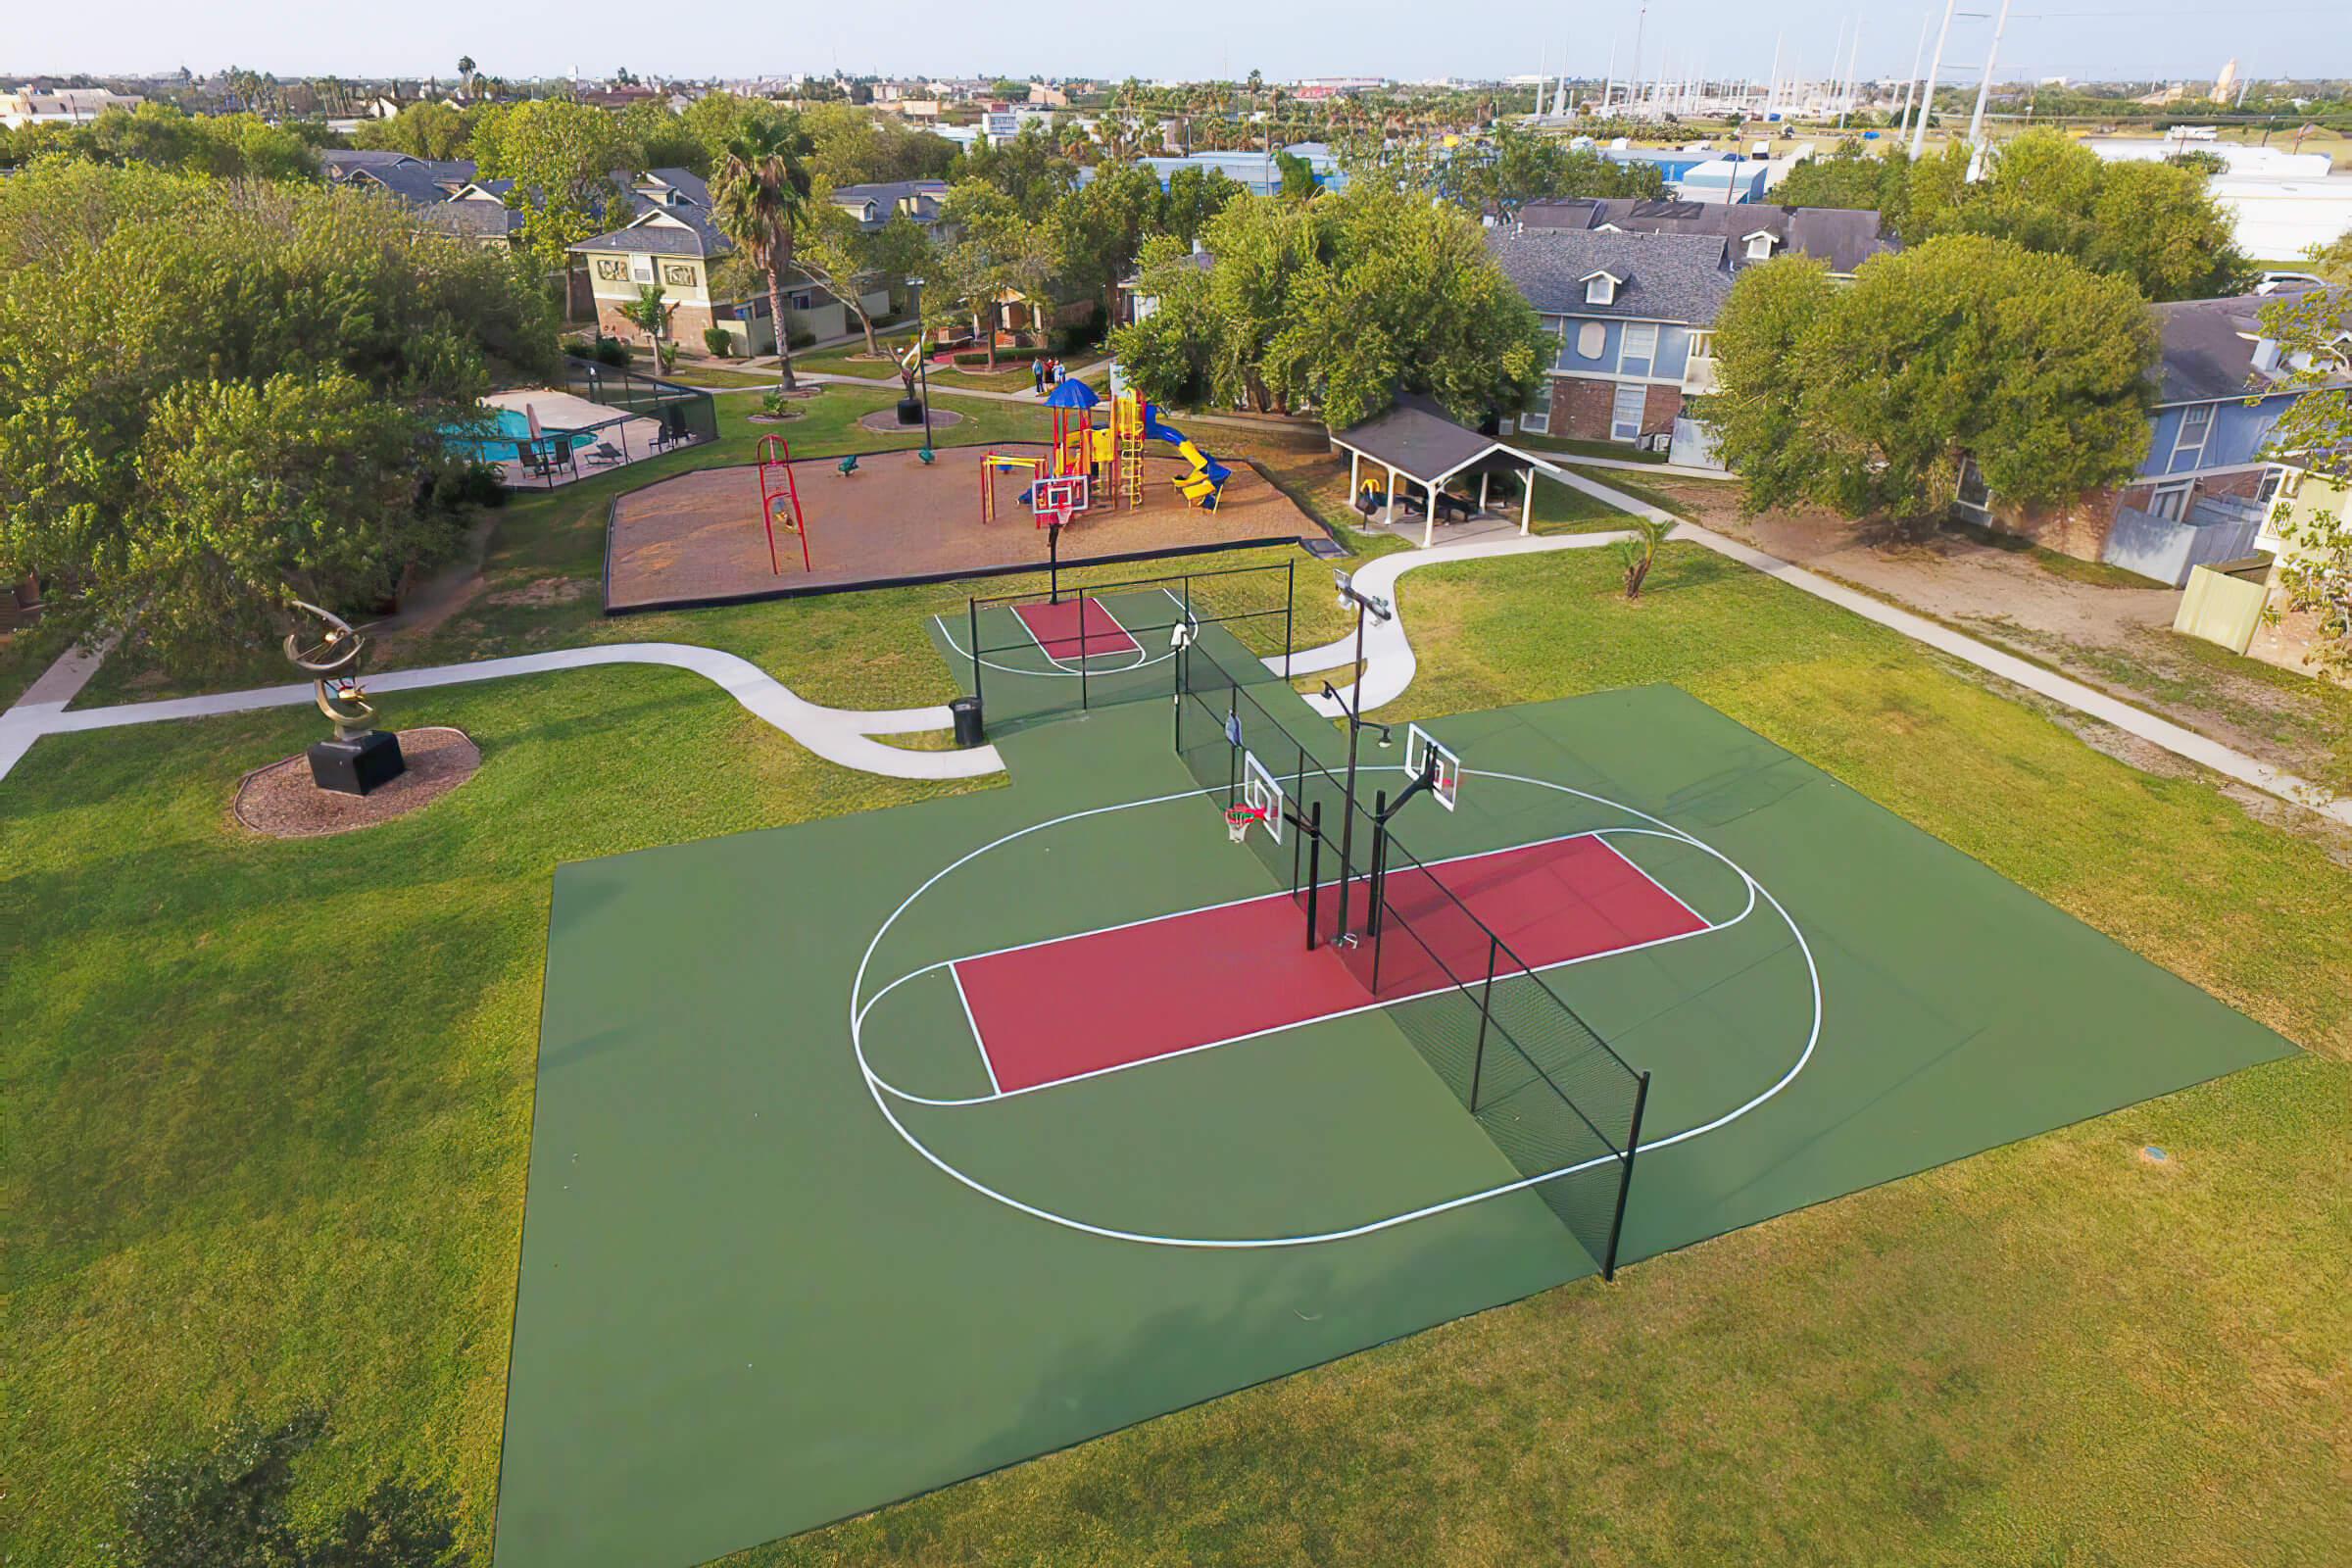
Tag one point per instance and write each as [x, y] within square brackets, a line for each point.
[1078, 1005]
[1056, 629]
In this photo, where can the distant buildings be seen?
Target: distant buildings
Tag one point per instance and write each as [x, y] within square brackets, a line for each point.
[63, 106]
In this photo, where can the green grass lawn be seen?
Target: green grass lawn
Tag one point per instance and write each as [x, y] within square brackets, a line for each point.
[21, 663]
[1624, 449]
[850, 359]
[268, 1107]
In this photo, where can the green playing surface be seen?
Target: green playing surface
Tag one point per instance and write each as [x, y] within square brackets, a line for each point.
[750, 1302]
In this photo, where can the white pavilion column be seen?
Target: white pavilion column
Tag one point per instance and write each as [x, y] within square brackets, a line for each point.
[1527, 501]
[1481, 491]
[1429, 518]
[1387, 510]
[1355, 468]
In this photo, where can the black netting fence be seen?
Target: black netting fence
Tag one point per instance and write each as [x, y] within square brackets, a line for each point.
[684, 412]
[1551, 1093]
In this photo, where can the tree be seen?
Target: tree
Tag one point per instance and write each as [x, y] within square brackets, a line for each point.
[841, 256]
[1299, 182]
[649, 311]
[653, 136]
[425, 129]
[241, 395]
[1098, 228]
[466, 71]
[1872, 399]
[998, 251]
[1029, 169]
[1639, 552]
[2334, 259]
[561, 156]
[760, 202]
[1196, 196]
[1516, 166]
[1335, 304]
[2315, 436]
[1852, 177]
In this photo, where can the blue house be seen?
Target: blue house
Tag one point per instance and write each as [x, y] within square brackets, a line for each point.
[2201, 491]
[1634, 315]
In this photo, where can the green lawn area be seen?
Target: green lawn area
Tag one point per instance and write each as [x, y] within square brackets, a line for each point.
[268, 1106]
[850, 359]
[1625, 449]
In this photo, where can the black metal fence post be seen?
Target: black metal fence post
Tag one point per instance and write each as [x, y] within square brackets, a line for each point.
[1290, 600]
[973, 631]
[1082, 692]
[1625, 1177]
[1314, 866]
[1486, 1011]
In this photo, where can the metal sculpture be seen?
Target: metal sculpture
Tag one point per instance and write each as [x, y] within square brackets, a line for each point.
[361, 757]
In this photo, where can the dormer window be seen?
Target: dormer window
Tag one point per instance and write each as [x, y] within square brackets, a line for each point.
[1760, 244]
[2266, 356]
[1600, 288]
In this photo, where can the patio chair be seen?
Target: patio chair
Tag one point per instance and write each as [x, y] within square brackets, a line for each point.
[604, 455]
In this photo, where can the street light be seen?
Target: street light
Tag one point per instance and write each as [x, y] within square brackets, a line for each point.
[922, 356]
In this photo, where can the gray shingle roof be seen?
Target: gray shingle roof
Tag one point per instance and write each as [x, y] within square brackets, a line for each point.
[1667, 277]
[921, 197]
[688, 232]
[2209, 348]
[1844, 238]
[1418, 438]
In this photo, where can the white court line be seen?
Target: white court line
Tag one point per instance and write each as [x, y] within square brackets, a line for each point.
[1660, 886]
[978, 1039]
[876, 1085]
[948, 635]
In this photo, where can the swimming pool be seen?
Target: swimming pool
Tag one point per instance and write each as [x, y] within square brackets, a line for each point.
[513, 426]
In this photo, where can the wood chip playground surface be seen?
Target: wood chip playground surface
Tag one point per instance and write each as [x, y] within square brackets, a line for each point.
[696, 539]
[877, 1152]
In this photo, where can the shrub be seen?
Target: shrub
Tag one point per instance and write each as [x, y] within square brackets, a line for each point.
[581, 348]
[719, 342]
[614, 352]
[802, 340]
[972, 357]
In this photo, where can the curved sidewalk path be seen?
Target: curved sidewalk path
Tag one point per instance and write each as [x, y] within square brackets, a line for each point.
[838, 735]
[843, 736]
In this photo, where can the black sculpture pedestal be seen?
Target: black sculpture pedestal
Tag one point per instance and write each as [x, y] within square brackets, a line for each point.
[359, 764]
[910, 410]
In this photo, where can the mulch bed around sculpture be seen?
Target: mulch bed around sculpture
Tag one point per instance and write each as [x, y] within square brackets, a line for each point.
[885, 422]
[281, 802]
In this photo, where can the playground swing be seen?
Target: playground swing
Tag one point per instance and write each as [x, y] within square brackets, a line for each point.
[780, 500]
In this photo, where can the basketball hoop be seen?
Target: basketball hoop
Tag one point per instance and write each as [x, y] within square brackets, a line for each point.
[1058, 498]
[1239, 818]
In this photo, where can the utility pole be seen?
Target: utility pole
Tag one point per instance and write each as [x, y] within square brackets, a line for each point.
[1926, 93]
[1976, 122]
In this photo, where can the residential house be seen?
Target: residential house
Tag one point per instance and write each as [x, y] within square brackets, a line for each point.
[1134, 305]
[1633, 315]
[1757, 231]
[674, 246]
[876, 205]
[2203, 490]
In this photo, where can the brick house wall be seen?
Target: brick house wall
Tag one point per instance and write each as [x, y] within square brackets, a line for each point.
[1580, 409]
[2080, 530]
[686, 324]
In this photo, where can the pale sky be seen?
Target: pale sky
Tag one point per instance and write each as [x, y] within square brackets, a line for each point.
[1408, 39]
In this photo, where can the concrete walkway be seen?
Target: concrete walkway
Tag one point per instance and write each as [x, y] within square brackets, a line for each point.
[1664, 471]
[835, 734]
[845, 737]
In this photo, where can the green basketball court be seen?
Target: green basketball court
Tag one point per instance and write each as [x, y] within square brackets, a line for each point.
[877, 1152]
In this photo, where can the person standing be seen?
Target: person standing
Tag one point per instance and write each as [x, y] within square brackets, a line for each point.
[1036, 375]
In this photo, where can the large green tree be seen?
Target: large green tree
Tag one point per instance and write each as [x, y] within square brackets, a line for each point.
[563, 158]
[425, 129]
[1514, 166]
[761, 201]
[1335, 304]
[1869, 400]
[1029, 169]
[999, 249]
[216, 398]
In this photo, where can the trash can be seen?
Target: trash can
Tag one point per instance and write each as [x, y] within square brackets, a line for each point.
[969, 732]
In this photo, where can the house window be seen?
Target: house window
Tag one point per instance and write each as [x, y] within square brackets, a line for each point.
[2172, 500]
[1975, 495]
[1591, 339]
[1535, 415]
[802, 301]
[2274, 480]
[2189, 443]
[1640, 350]
[1601, 289]
[1625, 412]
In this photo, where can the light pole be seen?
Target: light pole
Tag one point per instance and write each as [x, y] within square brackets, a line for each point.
[922, 354]
[1366, 606]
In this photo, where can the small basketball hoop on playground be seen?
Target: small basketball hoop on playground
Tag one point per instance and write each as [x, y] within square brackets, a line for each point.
[1059, 499]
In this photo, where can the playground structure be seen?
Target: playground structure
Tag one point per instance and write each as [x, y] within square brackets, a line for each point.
[1111, 458]
[776, 487]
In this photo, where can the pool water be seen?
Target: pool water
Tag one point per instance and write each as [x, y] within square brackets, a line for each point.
[513, 427]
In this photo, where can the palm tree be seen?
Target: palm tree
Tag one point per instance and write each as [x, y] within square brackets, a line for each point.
[465, 73]
[761, 195]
